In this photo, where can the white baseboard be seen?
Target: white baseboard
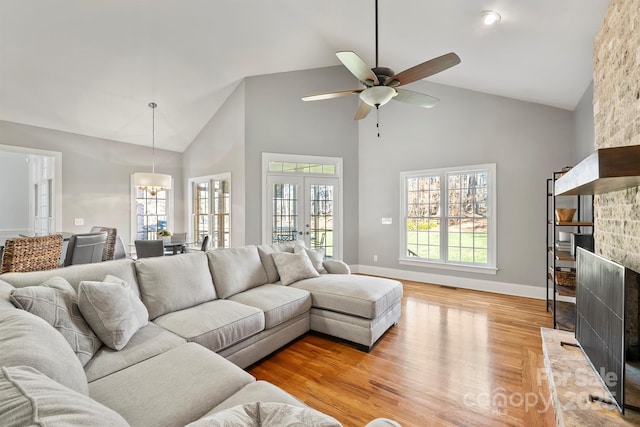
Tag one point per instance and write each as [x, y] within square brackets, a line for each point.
[454, 281]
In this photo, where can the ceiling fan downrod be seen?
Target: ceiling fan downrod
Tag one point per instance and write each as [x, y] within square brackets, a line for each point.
[376, 33]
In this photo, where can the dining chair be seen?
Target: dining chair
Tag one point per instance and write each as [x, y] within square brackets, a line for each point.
[149, 248]
[205, 243]
[85, 248]
[24, 254]
[178, 238]
[110, 244]
[120, 250]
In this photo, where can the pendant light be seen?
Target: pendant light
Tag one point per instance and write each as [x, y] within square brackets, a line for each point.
[152, 182]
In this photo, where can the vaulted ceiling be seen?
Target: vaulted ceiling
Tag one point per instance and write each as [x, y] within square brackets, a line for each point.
[91, 67]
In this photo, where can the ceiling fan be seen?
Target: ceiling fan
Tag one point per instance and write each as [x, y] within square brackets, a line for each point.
[381, 83]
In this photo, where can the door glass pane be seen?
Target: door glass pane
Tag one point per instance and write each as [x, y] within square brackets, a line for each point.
[321, 208]
[285, 213]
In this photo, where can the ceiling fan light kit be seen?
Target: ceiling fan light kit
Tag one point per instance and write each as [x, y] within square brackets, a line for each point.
[380, 83]
[490, 17]
[377, 95]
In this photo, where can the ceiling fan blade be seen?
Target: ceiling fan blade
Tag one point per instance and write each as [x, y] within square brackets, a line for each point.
[426, 69]
[358, 67]
[363, 111]
[329, 95]
[415, 98]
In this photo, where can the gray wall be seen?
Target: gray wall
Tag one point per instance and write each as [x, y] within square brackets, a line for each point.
[14, 191]
[277, 121]
[527, 142]
[219, 148]
[584, 125]
[96, 174]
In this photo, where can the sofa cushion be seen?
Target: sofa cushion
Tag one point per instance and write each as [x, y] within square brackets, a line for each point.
[171, 389]
[216, 324]
[5, 292]
[165, 287]
[278, 303]
[235, 270]
[267, 414]
[112, 310]
[363, 296]
[144, 344]
[29, 340]
[315, 255]
[294, 267]
[31, 398]
[258, 391]
[74, 274]
[265, 252]
[56, 302]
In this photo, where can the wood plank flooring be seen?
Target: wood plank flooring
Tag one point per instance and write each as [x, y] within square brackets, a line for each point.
[456, 358]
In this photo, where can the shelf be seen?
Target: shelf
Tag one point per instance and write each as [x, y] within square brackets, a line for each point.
[606, 170]
[566, 315]
[575, 224]
[566, 291]
[564, 256]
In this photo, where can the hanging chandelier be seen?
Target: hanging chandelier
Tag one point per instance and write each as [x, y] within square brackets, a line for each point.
[152, 182]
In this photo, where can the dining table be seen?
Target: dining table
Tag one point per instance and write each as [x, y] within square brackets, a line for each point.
[174, 246]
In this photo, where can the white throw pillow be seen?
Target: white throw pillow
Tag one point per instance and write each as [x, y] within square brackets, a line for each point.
[112, 310]
[315, 255]
[267, 414]
[294, 267]
[56, 302]
[31, 398]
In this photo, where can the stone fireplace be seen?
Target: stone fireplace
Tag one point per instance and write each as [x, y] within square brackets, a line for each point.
[616, 108]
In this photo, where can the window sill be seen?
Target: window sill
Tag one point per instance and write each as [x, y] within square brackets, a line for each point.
[443, 266]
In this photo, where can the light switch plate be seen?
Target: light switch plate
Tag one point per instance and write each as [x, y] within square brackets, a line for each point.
[79, 221]
[387, 221]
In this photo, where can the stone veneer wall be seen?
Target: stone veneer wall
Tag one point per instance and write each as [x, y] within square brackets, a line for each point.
[616, 106]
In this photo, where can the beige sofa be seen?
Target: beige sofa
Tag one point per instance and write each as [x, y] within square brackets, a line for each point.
[209, 315]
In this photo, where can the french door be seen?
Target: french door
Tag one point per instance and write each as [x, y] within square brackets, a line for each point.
[304, 208]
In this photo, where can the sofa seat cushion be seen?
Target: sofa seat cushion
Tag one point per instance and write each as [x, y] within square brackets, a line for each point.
[216, 324]
[166, 288]
[236, 269]
[172, 389]
[279, 303]
[267, 414]
[26, 339]
[31, 398]
[144, 344]
[363, 296]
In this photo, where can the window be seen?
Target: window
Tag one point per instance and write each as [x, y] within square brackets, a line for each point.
[448, 218]
[211, 210]
[151, 213]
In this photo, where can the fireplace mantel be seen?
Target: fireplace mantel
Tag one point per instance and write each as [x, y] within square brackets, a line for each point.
[605, 170]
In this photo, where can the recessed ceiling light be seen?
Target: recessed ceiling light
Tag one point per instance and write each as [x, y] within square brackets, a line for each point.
[490, 17]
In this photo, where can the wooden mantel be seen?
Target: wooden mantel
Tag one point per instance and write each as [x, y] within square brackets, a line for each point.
[606, 170]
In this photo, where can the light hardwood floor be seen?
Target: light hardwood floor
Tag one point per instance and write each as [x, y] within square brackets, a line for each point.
[456, 358]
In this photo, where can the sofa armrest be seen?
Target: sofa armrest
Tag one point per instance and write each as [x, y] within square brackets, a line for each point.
[336, 267]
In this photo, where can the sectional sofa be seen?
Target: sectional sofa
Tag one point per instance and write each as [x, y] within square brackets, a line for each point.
[163, 341]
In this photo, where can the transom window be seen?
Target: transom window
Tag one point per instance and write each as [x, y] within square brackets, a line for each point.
[449, 217]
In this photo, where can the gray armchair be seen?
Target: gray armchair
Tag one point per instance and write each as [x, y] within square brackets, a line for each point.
[85, 248]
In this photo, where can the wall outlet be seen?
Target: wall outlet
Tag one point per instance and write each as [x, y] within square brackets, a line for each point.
[79, 221]
[375, 258]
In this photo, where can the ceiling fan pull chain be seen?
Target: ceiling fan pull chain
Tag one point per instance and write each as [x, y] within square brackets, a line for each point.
[378, 119]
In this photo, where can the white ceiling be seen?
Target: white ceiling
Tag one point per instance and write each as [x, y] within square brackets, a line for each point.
[91, 67]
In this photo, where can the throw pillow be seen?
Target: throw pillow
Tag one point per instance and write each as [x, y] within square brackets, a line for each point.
[294, 267]
[267, 414]
[31, 398]
[28, 340]
[56, 302]
[315, 255]
[112, 310]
